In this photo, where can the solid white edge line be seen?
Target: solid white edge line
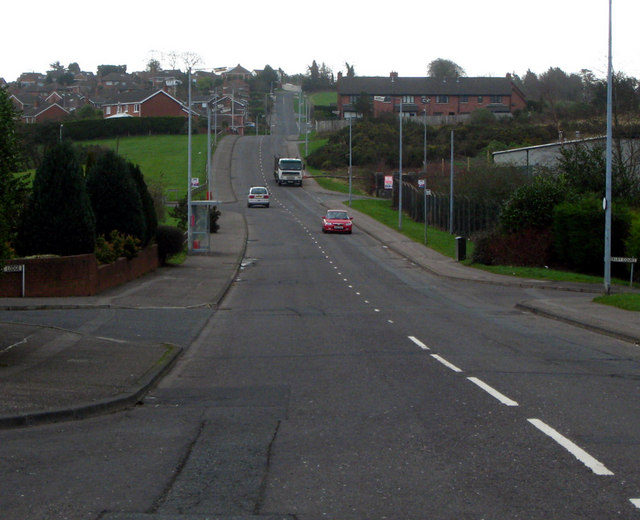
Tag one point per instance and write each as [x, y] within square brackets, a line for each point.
[419, 343]
[635, 502]
[446, 363]
[493, 392]
[593, 464]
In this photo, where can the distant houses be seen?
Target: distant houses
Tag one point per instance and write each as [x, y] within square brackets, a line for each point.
[428, 96]
[140, 94]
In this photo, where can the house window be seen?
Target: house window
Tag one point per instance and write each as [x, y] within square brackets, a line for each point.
[136, 108]
[353, 99]
[479, 100]
[464, 99]
[442, 99]
[407, 99]
[108, 110]
[496, 99]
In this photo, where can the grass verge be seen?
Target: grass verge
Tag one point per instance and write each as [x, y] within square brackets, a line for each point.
[444, 243]
[629, 302]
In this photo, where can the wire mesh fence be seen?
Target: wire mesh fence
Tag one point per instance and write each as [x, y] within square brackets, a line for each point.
[469, 215]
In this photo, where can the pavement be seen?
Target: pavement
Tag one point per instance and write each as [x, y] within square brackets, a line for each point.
[50, 374]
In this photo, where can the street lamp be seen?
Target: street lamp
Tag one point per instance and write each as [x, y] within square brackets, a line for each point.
[350, 162]
[400, 173]
[607, 199]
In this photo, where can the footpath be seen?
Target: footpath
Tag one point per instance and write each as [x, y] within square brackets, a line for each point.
[51, 374]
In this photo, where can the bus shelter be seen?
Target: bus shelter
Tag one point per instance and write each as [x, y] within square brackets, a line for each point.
[200, 226]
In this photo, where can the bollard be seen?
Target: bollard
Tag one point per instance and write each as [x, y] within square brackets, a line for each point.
[461, 249]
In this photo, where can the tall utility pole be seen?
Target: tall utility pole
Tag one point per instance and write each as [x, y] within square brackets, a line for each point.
[189, 232]
[451, 189]
[350, 162]
[209, 173]
[424, 159]
[400, 173]
[607, 199]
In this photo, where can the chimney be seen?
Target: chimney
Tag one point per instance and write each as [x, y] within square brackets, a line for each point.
[339, 75]
[394, 76]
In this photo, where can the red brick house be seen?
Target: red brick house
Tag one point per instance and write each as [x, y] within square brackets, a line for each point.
[45, 112]
[435, 97]
[144, 103]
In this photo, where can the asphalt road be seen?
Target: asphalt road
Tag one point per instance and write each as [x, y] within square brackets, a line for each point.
[339, 381]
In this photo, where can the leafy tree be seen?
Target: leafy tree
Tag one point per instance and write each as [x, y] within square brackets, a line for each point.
[351, 73]
[584, 168]
[153, 65]
[364, 105]
[115, 198]
[441, 68]
[318, 77]
[12, 188]
[103, 70]
[59, 217]
[74, 68]
[265, 80]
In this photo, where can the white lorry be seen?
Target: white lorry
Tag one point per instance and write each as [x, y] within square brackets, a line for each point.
[288, 170]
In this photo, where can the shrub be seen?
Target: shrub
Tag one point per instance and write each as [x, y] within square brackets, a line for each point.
[118, 245]
[59, 217]
[214, 215]
[632, 243]
[531, 205]
[527, 247]
[578, 232]
[170, 242]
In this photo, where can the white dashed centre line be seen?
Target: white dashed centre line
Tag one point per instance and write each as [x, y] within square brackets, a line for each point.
[594, 465]
[493, 392]
[446, 363]
[418, 342]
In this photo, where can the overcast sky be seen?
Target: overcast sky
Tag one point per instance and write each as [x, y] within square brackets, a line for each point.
[486, 38]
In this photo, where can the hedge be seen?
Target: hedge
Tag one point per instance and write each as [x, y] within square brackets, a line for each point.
[89, 129]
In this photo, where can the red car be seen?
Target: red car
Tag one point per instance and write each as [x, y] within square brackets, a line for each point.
[336, 221]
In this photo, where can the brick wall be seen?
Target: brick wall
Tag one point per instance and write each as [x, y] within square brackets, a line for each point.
[78, 275]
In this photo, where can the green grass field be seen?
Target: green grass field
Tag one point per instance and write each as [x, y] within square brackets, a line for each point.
[163, 158]
[324, 98]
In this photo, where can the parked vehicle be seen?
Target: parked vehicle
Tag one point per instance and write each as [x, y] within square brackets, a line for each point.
[337, 221]
[258, 196]
[288, 170]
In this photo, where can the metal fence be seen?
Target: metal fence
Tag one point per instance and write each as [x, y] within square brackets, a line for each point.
[469, 215]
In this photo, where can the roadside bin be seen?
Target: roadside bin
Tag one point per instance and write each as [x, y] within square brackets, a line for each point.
[461, 249]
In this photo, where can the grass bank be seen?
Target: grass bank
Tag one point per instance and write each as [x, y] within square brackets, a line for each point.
[162, 158]
[444, 243]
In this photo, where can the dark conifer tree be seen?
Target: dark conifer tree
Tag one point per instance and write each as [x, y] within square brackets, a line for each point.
[59, 217]
[115, 198]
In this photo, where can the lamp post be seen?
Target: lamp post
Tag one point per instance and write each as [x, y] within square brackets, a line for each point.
[189, 223]
[607, 199]
[451, 189]
[400, 173]
[350, 162]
